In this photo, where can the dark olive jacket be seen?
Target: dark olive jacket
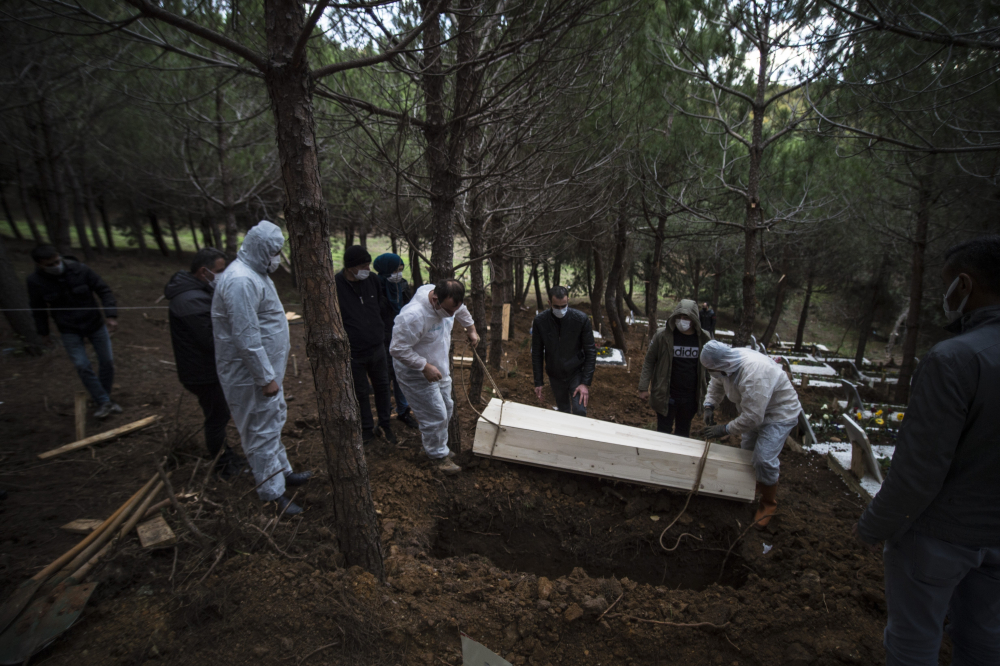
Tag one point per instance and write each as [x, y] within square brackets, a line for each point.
[658, 364]
[945, 476]
[563, 347]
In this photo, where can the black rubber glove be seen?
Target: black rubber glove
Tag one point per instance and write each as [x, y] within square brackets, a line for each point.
[716, 431]
[710, 416]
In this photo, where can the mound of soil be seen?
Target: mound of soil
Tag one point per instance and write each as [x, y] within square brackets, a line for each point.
[543, 567]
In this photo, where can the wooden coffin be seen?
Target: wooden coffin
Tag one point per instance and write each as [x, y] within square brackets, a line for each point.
[551, 439]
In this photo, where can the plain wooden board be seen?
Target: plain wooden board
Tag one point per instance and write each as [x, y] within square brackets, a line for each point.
[82, 525]
[848, 477]
[506, 322]
[861, 445]
[545, 438]
[102, 437]
[156, 533]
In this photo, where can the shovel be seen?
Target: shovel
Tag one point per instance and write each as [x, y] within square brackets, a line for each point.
[14, 604]
[48, 617]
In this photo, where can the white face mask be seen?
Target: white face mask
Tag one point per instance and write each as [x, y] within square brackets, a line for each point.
[684, 325]
[275, 262]
[55, 270]
[952, 315]
[559, 313]
[362, 274]
[396, 277]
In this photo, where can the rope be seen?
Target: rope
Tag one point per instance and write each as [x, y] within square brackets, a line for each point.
[496, 389]
[687, 500]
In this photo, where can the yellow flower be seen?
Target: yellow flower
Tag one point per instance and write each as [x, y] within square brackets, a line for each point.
[899, 416]
[878, 413]
[879, 421]
[859, 416]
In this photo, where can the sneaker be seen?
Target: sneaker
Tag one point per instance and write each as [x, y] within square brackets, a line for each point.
[451, 454]
[297, 478]
[389, 435]
[104, 410]
[407, 419]
[287, 506]
[116, 408]
[446, 466]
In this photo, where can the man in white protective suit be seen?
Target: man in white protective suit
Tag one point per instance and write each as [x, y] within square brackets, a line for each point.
[768, 410]
[421, 339]
[251, 350]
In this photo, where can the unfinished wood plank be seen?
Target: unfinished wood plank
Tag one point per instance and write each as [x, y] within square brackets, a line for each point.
[506, 321]
[102, 437]
[156, 533]
[543, 438]
[82, 525]
[80, 401]
[859, 440]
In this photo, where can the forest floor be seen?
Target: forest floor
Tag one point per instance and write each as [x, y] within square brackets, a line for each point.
[523, 560]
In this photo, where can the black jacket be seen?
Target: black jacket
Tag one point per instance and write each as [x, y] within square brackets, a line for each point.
[365, 312]
[707, 320]
[191, 328]
[401, 292]
[567, 346]
[945, 474]
[69, 298]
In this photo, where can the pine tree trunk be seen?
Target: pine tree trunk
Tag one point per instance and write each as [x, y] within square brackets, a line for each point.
[596, 293]
[779, 307]
[545, 273]
[924, 202]
[557, 272]
[539, 303]
[194, 232]
[154, 223]
[498, 290]
[106, 223]
[225, 176]
[175, 238]
[137, 230]
[477, 246]
[348, 236]
[804, 314]
[289, 88]
[10, 217]
[866, 323]
[87, 203]
[717, 287]
[22, 191]
[614, 284]
[656, 268]
[416, 279]
[14, 303]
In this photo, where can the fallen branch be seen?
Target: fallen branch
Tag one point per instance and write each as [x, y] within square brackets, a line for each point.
[608, 609]
[104, 436]
[180, 509]
[276, 547]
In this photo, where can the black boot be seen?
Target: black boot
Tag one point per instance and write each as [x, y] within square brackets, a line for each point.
[297, 478]
[389, 435]
[406, 418]
[367, 436]
[287, 506]
[229, 465]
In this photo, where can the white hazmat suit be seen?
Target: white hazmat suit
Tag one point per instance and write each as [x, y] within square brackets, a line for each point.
[422, 335]
[251, 350]
[767, 402]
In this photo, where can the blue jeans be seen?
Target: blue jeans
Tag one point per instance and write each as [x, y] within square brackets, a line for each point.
[926, 580]
[99, 388]
[563, 390]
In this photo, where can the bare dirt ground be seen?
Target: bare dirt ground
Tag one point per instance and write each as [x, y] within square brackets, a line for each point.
[523, 560]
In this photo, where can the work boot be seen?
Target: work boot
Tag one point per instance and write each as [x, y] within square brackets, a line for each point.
[297, 478]
[446, 466]
[767, 506]
[287, 506]
[389, 435]
[229, 467]
[406, 418]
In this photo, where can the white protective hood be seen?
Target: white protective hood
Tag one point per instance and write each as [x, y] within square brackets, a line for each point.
[754, 382]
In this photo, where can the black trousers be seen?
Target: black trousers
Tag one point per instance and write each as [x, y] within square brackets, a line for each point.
[563, 391]
[372, 365]
[682, 412]
[213, 405]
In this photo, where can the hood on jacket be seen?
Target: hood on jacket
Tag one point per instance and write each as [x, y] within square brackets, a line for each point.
[723, 358]
[689, 308]
[261, 243]
[181, 282]
[387, 263]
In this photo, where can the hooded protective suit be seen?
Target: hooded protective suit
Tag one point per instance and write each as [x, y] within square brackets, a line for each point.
[422, 335]
[767, 402]
[251, 350]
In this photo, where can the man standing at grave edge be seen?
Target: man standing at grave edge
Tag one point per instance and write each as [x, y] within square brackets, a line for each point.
[938, 510]
[190, 296]
[562, 343]
[706, 317]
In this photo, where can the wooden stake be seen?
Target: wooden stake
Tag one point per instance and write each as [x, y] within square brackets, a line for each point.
[81, 415]
[102, 437]
[506, 321]
[295, 365]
